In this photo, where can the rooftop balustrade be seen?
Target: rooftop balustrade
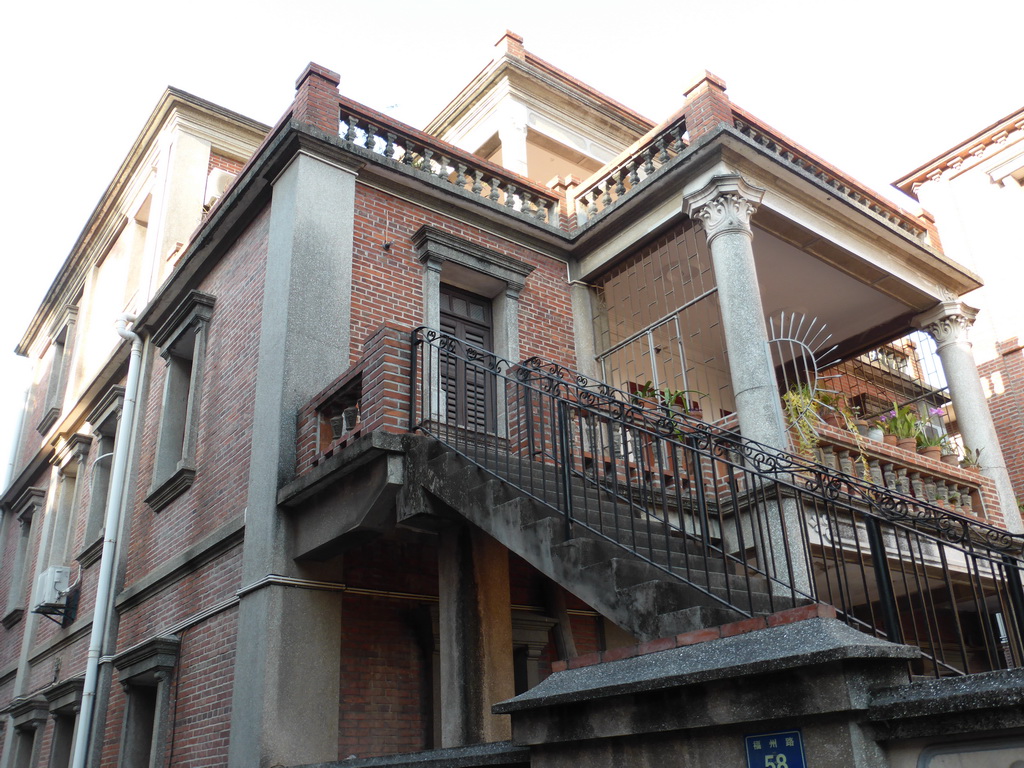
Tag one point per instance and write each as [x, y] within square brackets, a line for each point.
[388, 141]
[638, 164]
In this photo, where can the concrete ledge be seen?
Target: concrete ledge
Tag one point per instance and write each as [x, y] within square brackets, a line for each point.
[183, 564]
[343, 462]
[982, 702]
[499, 753]
[785, 647]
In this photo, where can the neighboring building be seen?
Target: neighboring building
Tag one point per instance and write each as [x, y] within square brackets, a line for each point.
[974, 190]
[382, 473]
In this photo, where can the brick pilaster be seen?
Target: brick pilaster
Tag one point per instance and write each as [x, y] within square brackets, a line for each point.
[316, 98]
[707, 106]
[511, 44]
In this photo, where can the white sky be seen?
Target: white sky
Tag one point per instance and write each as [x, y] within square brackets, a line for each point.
[876, 88]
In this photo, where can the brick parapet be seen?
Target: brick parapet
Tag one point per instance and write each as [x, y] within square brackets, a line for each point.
[379, 384]
[985, 500]
[707, 106]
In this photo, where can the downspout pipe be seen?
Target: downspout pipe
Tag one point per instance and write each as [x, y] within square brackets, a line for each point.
[114, 514]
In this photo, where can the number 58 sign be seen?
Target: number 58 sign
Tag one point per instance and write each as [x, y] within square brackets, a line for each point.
[784, 749]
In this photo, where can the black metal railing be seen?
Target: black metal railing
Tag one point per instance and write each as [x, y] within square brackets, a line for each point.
[754, 528]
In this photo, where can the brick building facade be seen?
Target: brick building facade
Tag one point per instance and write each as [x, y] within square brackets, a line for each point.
[349, 484]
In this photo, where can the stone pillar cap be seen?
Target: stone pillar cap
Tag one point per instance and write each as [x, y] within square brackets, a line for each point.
[721, 185]
[946, 309]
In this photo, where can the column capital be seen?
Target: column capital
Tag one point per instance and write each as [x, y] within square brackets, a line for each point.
[725, 204]
[947, 322]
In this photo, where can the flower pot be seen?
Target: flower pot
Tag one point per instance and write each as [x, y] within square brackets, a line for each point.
[875, 433]
[890, 439]
[950, 458]
[907, 443]
[933, 452]
[834, 419]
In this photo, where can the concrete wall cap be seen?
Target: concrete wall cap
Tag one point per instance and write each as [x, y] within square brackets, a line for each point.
[804, 644]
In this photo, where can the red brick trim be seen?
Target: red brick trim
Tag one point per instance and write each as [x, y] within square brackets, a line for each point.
[742, 627]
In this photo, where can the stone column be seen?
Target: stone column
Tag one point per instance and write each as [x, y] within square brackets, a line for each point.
[725, 206]
[476, 637]
[948, 323]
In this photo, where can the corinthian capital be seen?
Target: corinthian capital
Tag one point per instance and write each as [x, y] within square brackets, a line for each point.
[725, 205]
[947, 322]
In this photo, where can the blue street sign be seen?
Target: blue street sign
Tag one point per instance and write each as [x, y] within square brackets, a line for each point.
[784, 749]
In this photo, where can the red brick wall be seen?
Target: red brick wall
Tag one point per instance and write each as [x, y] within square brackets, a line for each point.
[385, 678]
[385, 665]
[201, 694]
[224, 163]
[200, 697]
[387, 639]
[388, 285]
[225, 414]
[1003, 380]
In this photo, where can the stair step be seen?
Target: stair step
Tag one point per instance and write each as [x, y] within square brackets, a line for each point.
[619, 572]
[694, 618]
[629, 583]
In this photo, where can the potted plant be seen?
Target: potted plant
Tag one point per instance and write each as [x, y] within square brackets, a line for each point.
[948, 453]
[971, 459]
[832, 409]
[901, 426]
[674, 400]
[929, 443]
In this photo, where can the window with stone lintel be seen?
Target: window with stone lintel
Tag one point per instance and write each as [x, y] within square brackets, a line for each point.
[182, 342]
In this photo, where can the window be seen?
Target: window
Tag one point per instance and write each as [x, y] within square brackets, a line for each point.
[28, 716]
[70, 458]
[24, 509]
[139, 721]
[182, 340]
[64, 700]
[481, 271]
[104, 420]
[144, 672]
[60, 358]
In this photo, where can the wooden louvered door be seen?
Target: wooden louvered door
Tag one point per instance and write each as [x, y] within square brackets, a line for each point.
[469, 385]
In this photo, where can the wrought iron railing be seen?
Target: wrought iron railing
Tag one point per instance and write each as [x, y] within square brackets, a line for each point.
[751, 527]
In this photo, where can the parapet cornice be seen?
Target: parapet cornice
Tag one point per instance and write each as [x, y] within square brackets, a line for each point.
[967, 154]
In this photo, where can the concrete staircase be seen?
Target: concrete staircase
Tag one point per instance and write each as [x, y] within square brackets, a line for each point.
[637, 593]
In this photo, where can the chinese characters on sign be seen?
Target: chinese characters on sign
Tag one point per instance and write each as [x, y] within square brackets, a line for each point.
[784, 749]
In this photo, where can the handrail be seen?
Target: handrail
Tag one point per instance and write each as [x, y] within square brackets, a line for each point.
[749, 526]
[800, 158]
[885, 502]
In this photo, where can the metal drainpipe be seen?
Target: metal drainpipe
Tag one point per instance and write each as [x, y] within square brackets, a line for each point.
[114, 512]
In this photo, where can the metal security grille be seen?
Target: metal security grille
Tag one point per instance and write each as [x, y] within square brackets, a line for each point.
[906, 371]
[657, 320]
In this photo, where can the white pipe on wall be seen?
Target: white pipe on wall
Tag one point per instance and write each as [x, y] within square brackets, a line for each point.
[114, 513]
